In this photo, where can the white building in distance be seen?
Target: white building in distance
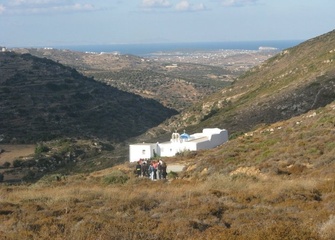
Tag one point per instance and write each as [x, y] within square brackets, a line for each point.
[209, 138]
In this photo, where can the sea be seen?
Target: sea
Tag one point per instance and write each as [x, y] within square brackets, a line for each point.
[147, 49]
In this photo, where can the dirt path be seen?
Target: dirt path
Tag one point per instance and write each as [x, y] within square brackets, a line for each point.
[175, 168]
[12, 152]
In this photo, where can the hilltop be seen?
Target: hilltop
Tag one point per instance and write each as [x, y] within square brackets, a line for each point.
[42, 100]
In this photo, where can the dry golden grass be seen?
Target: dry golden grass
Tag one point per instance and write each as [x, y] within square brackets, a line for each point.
[327, 229]
[222, 207]
[232, 192]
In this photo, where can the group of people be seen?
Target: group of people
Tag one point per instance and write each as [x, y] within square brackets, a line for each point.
[153, 169]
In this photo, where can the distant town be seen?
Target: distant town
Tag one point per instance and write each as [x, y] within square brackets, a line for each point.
[233, 59]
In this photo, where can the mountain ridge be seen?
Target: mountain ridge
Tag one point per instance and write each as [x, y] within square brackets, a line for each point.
[42, 100]
[290, 83]
[173, 81]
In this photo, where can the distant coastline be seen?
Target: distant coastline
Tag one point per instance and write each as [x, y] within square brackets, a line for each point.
[149, 49]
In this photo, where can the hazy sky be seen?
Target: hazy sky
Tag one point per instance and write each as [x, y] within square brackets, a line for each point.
[77, 22]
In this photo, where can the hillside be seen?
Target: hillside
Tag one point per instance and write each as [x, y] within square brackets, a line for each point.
[276, 182]
[43, 100]
[173, 83]
[293, 82]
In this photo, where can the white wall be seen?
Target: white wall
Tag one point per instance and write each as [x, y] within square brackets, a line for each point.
[141, 151]
[168, 149]
[218, 139]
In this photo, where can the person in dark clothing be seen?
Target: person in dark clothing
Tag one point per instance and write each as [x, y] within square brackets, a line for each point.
[144, 169]
[138, 169]
[162, 169]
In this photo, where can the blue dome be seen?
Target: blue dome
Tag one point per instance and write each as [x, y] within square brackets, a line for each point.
[184, 136]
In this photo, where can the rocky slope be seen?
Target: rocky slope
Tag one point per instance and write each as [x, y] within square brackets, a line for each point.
[291, 83]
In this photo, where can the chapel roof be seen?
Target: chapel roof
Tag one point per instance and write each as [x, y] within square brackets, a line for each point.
[184, 136]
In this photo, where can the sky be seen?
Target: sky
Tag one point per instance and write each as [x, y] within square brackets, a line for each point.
[37, 23]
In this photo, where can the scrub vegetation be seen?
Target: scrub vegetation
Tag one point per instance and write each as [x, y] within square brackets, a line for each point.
[276, 182]
[274, 178]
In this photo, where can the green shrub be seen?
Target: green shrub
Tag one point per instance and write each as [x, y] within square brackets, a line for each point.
[17, 163]
[6, 165]
[172, 175]
[47, 179]
[115, 177]
[235, 135]
[30, 176]
[41, 148]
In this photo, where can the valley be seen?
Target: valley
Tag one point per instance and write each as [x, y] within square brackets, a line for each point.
[273, 179]
[176, 80]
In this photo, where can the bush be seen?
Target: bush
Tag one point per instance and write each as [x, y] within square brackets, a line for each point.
[6, 165]
[235, 135]
[1, 177]
[30, 176]
[41, 148]
[115, 177]
[172, 175]
[47, 179]
[17, 163]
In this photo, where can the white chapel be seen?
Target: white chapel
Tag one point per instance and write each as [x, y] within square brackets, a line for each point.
[209, 138]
